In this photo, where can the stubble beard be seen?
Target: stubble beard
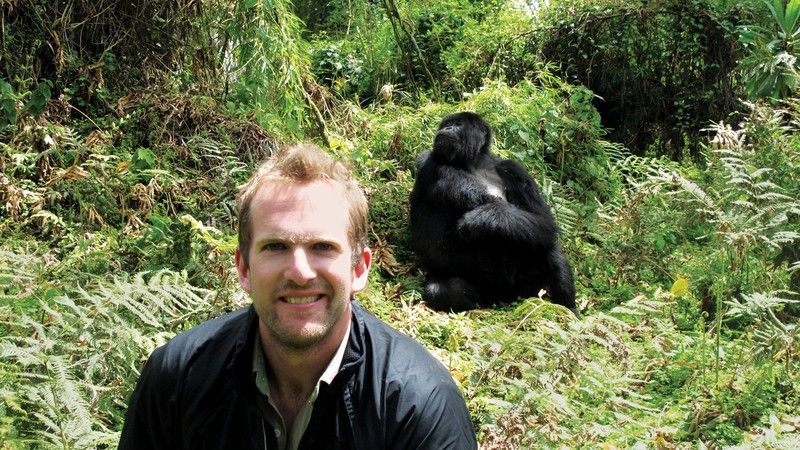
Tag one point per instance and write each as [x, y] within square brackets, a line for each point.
[312, 335]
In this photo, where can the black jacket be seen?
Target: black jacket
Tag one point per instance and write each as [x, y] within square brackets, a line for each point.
[198, 392]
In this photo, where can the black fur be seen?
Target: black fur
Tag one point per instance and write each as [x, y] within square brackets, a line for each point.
[478, 248]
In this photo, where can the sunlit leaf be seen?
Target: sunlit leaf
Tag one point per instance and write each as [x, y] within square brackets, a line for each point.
[680, 287]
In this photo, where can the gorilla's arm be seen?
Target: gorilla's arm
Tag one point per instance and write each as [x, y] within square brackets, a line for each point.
[422, 158]
[525, 218]
[561, 286]
[501, 220]
[521, 189]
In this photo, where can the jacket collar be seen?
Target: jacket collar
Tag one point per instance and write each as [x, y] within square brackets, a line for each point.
[247, 335]
[354, 352]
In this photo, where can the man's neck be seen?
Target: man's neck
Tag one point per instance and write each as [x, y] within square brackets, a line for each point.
[294, 373]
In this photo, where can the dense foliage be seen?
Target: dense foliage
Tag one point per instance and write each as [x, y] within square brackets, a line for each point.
[664, 135]
[660, 68]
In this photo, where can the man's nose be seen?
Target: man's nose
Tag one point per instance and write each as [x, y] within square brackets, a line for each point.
[300, 270]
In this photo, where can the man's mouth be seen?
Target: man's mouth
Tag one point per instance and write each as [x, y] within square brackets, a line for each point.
[302, 300]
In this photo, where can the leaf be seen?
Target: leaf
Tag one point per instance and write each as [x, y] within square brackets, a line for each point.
[39, 98]
[790, 17]
[143, 158]
[680, 287]
[8, 104]
[776, 8]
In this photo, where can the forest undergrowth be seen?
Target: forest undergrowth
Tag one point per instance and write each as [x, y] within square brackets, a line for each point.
[680, 217]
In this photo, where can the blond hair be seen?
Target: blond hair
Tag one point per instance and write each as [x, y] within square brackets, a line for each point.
[304, 163]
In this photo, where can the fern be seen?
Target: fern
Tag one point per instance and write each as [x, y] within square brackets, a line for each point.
[774, 340]
[747, 208]
[17, 272]
[564, 210]
[552, 375]
[635, 169]
[74, 364]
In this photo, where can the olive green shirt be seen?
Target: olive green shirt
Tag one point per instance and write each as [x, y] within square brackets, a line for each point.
[290, 440]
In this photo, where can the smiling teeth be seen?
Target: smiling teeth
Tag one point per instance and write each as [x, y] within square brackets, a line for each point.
[300, 300]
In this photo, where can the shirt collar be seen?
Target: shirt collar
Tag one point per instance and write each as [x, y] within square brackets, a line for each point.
[260, 363]
[336, 362]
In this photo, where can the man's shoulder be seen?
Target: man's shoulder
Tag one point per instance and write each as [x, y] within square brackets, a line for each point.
[424, 408]
[404, 357]
[218, 336]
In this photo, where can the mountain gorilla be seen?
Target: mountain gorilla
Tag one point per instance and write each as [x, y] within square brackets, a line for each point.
[480, 226]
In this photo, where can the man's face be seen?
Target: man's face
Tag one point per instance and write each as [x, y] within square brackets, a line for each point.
[301, 273]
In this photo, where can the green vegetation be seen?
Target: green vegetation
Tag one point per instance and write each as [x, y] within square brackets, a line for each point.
[771, 68]
[664, 135]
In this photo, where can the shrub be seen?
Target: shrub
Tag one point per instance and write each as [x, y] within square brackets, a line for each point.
[659, 69]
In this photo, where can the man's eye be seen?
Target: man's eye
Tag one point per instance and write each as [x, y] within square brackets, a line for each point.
[274, 246]
[323, 247]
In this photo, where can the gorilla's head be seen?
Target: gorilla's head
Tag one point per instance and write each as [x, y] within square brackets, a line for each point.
[461, 138]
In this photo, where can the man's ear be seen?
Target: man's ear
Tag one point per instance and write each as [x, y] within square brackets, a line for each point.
[361, 270]
[244, 271]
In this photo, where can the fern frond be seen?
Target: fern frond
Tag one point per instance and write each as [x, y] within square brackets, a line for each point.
[24, 356]
[564, 210]
[756, 306]
[693, 189]
[748, 208]
[18, 270]
[640, 306]
[93, 344]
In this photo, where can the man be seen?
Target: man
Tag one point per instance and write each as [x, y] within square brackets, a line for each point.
[304, 367]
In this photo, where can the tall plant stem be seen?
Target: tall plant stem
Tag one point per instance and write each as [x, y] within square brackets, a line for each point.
[397, 23]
